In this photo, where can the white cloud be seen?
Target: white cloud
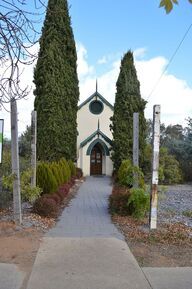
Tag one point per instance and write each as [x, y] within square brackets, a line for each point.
[109, 58]
[83, 68]
[107, 82]
[173, 94]
[140, 52]
[24, 106]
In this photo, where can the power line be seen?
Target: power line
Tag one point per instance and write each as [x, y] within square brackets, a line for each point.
[170, 61]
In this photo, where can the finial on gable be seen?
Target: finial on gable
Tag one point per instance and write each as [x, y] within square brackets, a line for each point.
[96, 90]
[98, 125]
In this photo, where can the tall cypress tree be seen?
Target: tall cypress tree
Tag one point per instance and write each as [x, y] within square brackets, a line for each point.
[57, 91]
[127, 101]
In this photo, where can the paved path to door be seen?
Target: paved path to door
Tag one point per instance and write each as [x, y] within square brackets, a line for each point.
[86, 251]
[87, 214]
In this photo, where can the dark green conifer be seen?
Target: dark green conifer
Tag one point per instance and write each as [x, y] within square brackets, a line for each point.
[127, 101]
[57, 91]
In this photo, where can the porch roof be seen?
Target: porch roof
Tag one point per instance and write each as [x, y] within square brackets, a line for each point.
[98, 133]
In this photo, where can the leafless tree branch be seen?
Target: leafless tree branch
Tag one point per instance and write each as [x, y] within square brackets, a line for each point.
[19, 31]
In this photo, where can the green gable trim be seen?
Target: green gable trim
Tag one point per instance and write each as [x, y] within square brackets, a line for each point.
[99, 133]
[98, 95]
[96, 106]
[98, 140]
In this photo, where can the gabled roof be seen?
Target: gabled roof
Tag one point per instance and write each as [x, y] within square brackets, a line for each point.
[98, 95]
[99, 133]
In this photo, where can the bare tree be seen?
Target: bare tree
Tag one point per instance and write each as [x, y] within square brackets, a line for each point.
[19, 21]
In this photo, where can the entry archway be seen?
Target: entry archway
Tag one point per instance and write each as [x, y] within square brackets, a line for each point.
[98, 165]
[96, 160]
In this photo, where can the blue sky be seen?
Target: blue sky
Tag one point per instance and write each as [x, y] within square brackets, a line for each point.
[104, 30]
[108, 27]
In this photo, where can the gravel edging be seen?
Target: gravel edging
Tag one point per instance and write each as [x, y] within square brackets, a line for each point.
[175, 205]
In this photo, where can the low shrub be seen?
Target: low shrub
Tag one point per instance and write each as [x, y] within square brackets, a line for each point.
[65, 170]
[45, 178]
[46, 207]
[62, 194]
[56, 172]
[127, 173]
[56, 180]
[56, 197]
[64, 190]
[28, 193]
[118, 201]
[79, 173]
[138, 203]
[72, 168]
[129, 202]
[72, 181]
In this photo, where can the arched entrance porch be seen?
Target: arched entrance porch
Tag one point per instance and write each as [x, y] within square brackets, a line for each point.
[98, 152]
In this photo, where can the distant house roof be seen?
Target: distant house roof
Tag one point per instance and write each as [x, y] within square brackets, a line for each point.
[97, 132]
[99, 96]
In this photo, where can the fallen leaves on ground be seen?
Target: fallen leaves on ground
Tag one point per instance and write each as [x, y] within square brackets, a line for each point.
[135, 230]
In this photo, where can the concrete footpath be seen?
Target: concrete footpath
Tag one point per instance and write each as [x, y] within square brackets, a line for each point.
[10, 276]
[169, 278]
[86, 263]
[86, 251]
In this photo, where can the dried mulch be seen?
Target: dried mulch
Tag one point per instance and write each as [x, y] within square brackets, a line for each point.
[170, 245]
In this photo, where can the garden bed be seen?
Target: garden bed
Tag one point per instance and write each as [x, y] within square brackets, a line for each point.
[171, 244]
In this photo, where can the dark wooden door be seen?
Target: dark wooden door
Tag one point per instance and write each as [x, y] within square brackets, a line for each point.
[96, 161]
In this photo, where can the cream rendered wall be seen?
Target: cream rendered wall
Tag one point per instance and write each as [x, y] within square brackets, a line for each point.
[109, 166]
[87, 122]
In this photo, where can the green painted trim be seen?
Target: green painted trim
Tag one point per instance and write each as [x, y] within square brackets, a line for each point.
[98, 95]
[1, 138]
[97, 132]
[96, 113]
[88, 139]
[108, 140]
[91, 146]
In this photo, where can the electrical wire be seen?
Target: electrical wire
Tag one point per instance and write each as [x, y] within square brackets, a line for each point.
[170, 61]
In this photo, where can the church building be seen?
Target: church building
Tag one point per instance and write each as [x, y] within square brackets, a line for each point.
[94, 136]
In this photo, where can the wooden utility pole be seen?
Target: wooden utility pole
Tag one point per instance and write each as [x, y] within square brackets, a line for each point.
[15, 163]
[33, 147]
[136, 145]
[155, 167]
